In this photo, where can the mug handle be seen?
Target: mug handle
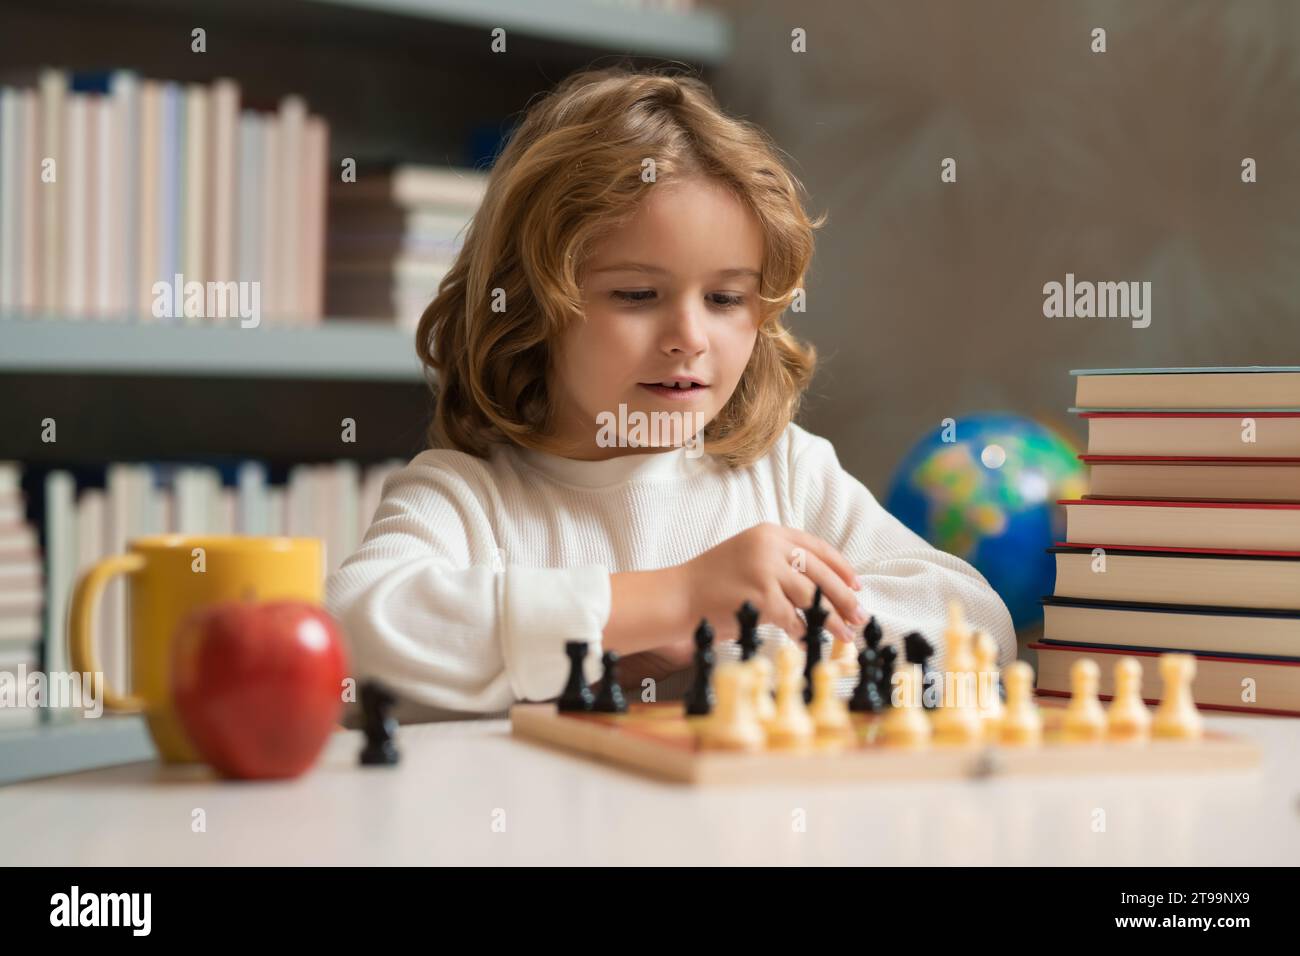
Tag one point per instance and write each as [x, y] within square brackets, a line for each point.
[85, 597]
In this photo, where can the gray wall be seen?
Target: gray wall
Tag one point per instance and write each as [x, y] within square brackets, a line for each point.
[925, 298]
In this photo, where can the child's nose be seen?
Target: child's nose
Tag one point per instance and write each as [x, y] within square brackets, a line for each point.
[685, 329]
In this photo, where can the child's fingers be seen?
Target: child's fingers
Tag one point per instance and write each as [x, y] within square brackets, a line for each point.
[778, 609]
[802, 586]
[829, 556]
[843, 602]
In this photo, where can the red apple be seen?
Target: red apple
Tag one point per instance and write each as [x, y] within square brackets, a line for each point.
[258, 687]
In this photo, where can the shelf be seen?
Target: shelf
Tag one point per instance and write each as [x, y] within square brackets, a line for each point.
[84, 744]
[701, 35]
[339, 349]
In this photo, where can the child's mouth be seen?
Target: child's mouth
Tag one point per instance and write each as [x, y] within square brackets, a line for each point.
[686, 392]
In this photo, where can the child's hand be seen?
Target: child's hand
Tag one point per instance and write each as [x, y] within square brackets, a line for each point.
[657, 664]
[778, 569]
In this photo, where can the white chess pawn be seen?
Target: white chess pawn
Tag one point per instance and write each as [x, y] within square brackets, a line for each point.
[1177, 716]
[845, 658]
[732, 725]
[760, 686]
[986, 675]
[1084, 721]
[1021, 724]
[830, 715]
[790, 727]
[905, 723]
[1127, 718]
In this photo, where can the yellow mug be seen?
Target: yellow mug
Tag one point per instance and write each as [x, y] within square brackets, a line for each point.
[169, 576]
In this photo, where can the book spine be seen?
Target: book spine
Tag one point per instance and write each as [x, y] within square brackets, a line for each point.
[53, 94]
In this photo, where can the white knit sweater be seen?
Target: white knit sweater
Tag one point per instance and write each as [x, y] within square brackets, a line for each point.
[474, 573]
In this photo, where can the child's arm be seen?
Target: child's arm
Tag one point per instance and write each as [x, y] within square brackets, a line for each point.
[906, 583]
[429, 609]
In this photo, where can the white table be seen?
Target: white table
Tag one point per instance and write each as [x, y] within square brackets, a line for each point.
[440, 804]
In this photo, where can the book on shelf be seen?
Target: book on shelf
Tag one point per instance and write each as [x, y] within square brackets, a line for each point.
[393, 236]
[112, 184]
[22, 600]
[332, 501]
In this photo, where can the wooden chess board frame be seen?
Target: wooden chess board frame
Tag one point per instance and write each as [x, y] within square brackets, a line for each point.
[657, 739]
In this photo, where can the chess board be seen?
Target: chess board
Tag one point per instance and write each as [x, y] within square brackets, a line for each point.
[659, 740]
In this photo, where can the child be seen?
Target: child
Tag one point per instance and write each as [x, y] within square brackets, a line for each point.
[629, 263]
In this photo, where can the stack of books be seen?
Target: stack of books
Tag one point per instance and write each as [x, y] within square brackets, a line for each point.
[22, 600]
[126, 197]
[1189, 539]
[393, 236]
[334, 502]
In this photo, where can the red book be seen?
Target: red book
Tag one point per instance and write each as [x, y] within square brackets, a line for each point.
[1266, 686]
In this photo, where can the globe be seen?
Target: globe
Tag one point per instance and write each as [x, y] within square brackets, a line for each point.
[985, 488]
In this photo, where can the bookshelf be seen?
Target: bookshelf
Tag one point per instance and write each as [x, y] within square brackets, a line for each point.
[336, 350]
[412, 80]
[699, 35]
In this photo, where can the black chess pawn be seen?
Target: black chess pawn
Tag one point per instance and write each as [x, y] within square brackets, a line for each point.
[747, 617]
[610, 700]
[815, 618]
[577, 694]
[380, 725]
[699, 699]
[918, 650]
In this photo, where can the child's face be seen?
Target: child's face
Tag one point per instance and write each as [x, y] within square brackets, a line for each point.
[672, 294]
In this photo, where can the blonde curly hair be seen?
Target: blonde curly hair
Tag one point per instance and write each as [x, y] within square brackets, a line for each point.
[571, 171]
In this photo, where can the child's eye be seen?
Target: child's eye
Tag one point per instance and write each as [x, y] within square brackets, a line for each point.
[639, 295]
[728, 301]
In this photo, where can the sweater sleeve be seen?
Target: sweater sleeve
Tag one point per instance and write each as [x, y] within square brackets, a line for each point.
[907, 584]
[430, 608]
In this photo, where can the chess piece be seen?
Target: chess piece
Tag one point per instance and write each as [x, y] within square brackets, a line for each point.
[760, 685]
[988, 687]
[610, 700]
[867, 697]
[1177, 716]
[790, 727]
[577, 694]
[829, 714]
[699, 699]
[906, 724]
[747, 618]
[1021, 724]
[1085, 721]
[1127, 718]
[815, 618]
[957, 720]
[379, 724]
[844, 657]
[885, 675]
[733, 725]
[917, 650]
[957, 641]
